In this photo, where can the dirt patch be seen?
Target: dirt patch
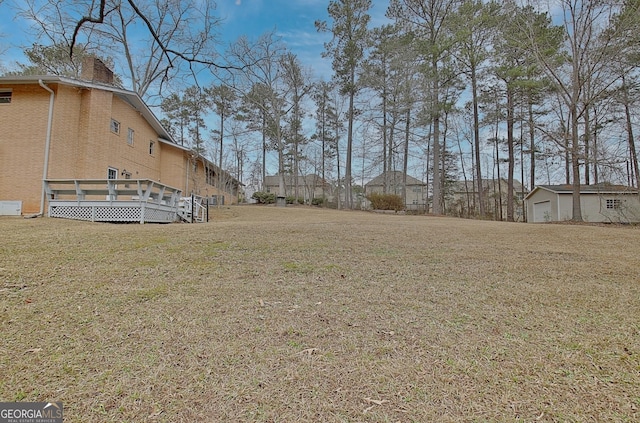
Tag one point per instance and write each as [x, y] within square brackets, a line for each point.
[303, 314]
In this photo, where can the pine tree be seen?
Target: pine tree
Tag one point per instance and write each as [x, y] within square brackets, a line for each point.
[347, 49]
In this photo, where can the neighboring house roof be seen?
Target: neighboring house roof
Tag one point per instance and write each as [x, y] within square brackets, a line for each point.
[602, 188]
[130, 97]
[394, 177]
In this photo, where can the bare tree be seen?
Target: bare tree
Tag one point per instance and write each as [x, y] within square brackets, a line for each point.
[177, 35]
[325, 132]
[584, 76]
[475, 26]
[431, 22]
[298, 86]
[347, 48]
[223, 100]
[260, 77]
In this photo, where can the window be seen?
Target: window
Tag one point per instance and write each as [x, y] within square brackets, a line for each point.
[130, 136]
[112, 173]
[115, 126]
[210, 176]
[613, 204]
[152, 147]
[5, 96]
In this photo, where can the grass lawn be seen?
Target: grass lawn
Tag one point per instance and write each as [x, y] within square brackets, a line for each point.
[306, 315]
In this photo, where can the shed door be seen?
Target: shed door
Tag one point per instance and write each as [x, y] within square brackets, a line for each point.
[542, 211]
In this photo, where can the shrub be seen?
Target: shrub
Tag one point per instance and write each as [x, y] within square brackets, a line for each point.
[292, 199]
[264, 197]
[318, 201]
[385, 201]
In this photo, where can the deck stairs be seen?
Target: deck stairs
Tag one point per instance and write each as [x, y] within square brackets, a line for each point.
[192, 209]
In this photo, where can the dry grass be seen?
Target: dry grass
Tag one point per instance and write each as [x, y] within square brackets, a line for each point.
[298, 314]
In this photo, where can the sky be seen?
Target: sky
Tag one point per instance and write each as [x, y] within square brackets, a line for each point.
[292, 20]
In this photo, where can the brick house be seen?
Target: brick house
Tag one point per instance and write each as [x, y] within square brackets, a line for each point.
[64, 128]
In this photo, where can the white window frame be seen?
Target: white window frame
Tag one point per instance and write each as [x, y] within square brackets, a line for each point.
[152, 147]
[130, 136]
[115, 126]
[614, 203]
[112, 171]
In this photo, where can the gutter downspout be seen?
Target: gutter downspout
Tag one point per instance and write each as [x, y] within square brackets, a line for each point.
[47, 145]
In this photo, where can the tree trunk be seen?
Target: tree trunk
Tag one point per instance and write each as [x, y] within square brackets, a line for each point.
[324, 152]
[498, 202]
[567, 157]
[220, 190]
[532, 146]
[347, 170]
[264, 151]
[337, 129]
[435, 113]
[510, 142]
[405, 165]
[385, 164]
[575, 166]
[587, 147]
[630, 137]
[476, 138]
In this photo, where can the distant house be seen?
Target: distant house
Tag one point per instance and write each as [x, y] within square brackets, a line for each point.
[56, 127]
[599, 203]
[394, 183]
[306, 187]
[461, 198]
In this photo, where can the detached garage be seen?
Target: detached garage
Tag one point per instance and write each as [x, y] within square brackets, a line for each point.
[600, 203]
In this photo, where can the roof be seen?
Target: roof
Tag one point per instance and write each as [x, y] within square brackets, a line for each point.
[602, 188]
[227, 175]
[130, 97]
[395, 177]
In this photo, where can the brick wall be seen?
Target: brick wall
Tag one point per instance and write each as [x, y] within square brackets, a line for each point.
[22, 140]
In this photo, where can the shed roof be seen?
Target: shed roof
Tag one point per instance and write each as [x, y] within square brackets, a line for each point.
[602, 188]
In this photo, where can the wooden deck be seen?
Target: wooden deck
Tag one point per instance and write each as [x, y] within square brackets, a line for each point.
[112, 200]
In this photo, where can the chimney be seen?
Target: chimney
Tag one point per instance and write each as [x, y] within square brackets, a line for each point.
[94, 70]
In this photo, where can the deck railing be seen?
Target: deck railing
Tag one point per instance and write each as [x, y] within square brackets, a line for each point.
[112, 200]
